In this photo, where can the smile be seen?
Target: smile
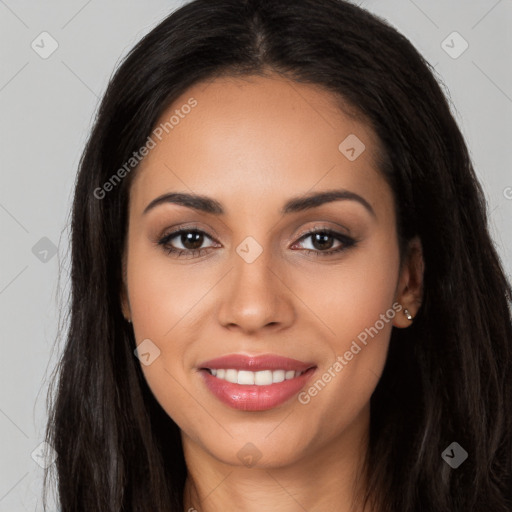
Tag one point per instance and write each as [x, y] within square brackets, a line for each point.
[255, 383]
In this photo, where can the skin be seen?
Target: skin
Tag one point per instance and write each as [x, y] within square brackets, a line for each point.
[252, 143]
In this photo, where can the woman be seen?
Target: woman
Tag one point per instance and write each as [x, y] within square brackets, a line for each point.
[213, 360]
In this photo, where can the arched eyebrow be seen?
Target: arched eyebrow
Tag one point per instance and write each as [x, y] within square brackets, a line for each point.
[296, 204]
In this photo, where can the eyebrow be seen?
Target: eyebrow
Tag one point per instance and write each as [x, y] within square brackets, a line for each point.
[296, 204]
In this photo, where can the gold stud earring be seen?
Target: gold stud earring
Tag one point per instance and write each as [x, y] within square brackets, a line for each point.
[407, 314]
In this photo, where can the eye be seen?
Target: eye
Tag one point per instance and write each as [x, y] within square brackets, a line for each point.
[191, 241]
[323, 240]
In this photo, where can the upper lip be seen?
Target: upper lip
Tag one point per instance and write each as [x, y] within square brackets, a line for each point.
[256, 363]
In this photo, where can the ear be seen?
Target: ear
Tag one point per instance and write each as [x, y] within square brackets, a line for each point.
[409, 292]
[125, 304]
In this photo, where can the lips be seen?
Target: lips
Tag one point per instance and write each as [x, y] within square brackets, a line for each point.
[255, 383]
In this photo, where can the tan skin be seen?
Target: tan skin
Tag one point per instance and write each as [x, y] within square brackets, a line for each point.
[251, 144]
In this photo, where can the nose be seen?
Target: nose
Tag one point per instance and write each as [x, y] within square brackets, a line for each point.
[256, 296]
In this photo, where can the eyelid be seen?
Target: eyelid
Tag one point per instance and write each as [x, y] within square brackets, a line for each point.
[183, 227]
[323, 227]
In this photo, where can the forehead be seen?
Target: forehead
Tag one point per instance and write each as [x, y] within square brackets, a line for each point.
[261, 137]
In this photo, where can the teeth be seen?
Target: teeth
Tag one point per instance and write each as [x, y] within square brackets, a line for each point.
[231, 376]
[245, 377]
[278, 375]
[261, 378]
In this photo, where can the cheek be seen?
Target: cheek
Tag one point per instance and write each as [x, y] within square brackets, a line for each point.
[163, 302]
[355, 302]
[169, 387]
[162, 294]
[350, 296]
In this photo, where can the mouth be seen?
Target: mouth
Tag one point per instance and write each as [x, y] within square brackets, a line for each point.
[255, 383]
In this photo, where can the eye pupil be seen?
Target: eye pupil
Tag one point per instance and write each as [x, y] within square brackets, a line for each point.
[192, 240]
[322, 240]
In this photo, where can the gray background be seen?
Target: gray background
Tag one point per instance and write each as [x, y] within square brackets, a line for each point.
[47, 106]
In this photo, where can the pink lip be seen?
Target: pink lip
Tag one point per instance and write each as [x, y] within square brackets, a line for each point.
[253, 397]
[256, 363]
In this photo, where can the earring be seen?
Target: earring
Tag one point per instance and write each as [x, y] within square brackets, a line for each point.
[407, 314]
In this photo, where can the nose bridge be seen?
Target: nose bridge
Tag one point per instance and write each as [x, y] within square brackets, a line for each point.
[255, 296]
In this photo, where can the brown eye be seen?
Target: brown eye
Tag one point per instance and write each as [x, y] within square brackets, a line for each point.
[191, 241]
[322, 241]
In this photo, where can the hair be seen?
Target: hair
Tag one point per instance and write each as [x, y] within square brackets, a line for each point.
[447, 376]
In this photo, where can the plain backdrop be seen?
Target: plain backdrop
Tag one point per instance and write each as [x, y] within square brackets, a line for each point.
[47, 104]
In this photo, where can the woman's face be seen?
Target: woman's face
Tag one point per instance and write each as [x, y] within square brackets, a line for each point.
[249, 277]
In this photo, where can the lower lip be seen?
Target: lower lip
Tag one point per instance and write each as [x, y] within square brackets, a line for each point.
[253, 397]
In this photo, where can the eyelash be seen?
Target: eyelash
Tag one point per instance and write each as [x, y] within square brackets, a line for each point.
[346, 241]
